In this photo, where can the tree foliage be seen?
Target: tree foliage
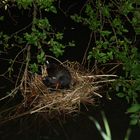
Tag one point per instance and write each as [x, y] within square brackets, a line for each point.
[107, 21]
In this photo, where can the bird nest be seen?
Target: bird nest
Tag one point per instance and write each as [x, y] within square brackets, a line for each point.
[40, 98]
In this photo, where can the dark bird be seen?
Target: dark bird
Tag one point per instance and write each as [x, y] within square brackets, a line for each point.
[58, 76]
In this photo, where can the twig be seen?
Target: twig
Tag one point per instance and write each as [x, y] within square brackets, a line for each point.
[17, 56]
[96, 76]
[49, 56]
[11, 94]
[20, 71]
[21, 30]
[85, 54]
[98, 94]
[104, 81]
[34, 111]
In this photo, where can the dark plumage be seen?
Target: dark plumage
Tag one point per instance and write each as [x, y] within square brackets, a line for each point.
[58, 76]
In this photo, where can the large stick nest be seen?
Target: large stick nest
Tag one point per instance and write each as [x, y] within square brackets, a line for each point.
[40, 98]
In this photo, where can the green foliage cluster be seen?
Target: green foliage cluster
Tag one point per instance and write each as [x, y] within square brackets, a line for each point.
[47, 5]
[41, 33]
[112, 44]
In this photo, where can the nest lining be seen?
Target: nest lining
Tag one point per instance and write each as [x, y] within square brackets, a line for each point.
[40, 98]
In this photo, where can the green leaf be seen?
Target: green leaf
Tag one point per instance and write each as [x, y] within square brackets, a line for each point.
[52, 9]
[71, 44]
[47, 5]
[105, 33]
[41, 57]
[76, 18]
[134, 108]
[56, 47]
[31, 38]
[59, 36]
[127, 7]
[42, 24]
[24, 3]
[121, 94]
[105, 11]
[116, 22]
[34, 67]
[133, 121]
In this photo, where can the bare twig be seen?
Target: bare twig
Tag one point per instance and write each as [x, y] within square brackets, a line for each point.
[13, 92]
[87, 48]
